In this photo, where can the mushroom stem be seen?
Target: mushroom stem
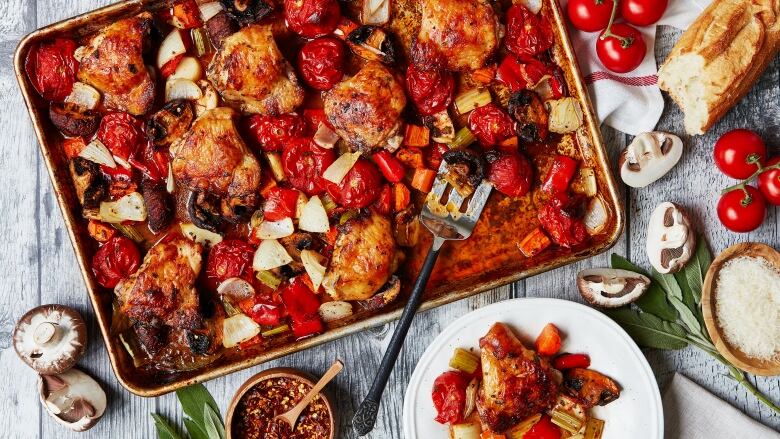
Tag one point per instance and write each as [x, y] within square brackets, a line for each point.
[47, 333]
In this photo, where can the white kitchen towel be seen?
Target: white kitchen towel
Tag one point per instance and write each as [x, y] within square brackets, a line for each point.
[631, 102]
[690, 412]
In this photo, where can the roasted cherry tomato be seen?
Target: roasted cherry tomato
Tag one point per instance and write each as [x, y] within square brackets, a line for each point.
[359, 188]
[321, 62]
[51, 68]
[559, 219]
[273, 132]
[229, 258]
[742, 211]
[314, 117]
[624, 52]
[518, 75]
[739, 153]
[304, 162]
[769, 182]
[431, 90]
[280, 203]
[122, 134]
[571, 361]
[510, 172]
[115, 260]
[312, 18]
[302, 306]
[643, 12]
[560, 175]
[490, 124]
[590, 15]
[527, 34]
[435, 154]
[264, 311]
[449, 396]
[544, 429]
[384, 203]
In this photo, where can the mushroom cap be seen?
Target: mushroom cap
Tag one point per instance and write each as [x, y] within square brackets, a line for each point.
[611, 288]
[649, 157]
[50, 338]
[72, 398]
[671, 241]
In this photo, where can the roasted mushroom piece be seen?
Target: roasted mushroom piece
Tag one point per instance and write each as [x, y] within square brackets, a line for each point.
[50, 338]
[589, 387]
[170, 123]
[220, 27]
[465, 170]
[611, 288]
[91, 187]
[72, 398]
[159, 204]
[386, 295]
[649, 157]
[372, 43]
[531, 116]
[72, 120]
[670, 238]
[247, 11]
[203, 210]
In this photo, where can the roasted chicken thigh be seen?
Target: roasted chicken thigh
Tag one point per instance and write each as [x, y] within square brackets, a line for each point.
[365, 110]
[362, 258]
[212, 159]
[517, 382]
[456, 35]
[113, 63]
[250, 72]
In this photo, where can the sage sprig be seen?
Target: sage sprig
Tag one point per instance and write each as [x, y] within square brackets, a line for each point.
[669, 316]
[202, 420]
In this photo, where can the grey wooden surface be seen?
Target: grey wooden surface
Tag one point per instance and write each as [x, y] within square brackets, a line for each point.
[38, 266]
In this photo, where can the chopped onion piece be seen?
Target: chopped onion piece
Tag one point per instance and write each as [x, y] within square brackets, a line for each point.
[131, 207]
[172, 46]
[585, 182]
[98, 153]
[533, 5]
[336, 310]
[300, 204]
[376, 12]
[269, 255]
[201, 236]
[208, 101]
[596, 216]
[471, 397]
[236, 289]
[314, 217]
[182, 89]
[312, 262]
[275, 229]
[339, 169]
[325, 137]
[394, 143]
[83, 95]
[170, 185]
[565, 115]
[468, 430]
[275, 163]
[121, 162]
[237, 329]
[209, 10]
[189, 68]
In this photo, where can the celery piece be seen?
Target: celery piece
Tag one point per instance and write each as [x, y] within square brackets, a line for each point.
[464, 360]
[463, 138]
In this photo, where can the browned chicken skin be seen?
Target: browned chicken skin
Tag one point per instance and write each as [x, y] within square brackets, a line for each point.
[362, 258]
[113, 64]
[456, 35]
[212, 158]
[250, 72]
[365, 110]
[516, 382]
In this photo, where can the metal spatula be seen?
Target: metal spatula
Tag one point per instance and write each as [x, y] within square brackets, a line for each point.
[447, 221]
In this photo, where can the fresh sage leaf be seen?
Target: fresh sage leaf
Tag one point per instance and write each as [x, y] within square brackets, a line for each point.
[193, 398]
[164, 429]
[668, 282]
[621, 263]
[654, 302]
[213, 423]
[648, 330]
[687, 316]
[696, 269]
[194, 430]
[688, 296]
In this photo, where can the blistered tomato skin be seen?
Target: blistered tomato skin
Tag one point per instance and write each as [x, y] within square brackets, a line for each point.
[360, 187]
[51, 67]
[122, 134]
[304, 162]
[321, 62]
[115, 260]
[229, 258]
[449, 396]
[272, 133]
[511, 174]
[312, 18]
[527, 34]
[491, 125]
[430, 90]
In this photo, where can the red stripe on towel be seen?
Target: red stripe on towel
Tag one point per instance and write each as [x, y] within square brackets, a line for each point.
[637, 81]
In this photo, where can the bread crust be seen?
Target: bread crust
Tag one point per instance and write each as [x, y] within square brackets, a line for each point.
[719, 58]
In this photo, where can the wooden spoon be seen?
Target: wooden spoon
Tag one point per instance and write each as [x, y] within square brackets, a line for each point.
[291, 416]
[731, 352]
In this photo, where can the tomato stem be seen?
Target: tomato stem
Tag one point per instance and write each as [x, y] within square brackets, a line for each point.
[625, 42]
[761, 169]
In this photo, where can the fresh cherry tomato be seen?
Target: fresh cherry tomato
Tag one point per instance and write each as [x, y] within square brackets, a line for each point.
[122, 134]
[590, 15]
[643, 12]
[769, 182]
[273, 132]
[739, 153]
[304, 162]
[559, 219]
[624, 54]
[742, 211]
[115, 260]
[359, 188]
[229, 258]
[431, 90]
[449, 396]
[280, 203]
[321, 62]
[511, 173]
[491, 125]
[527, 34]
[51, 68]
[302, 306]
[544, 429]
[312, 18]
[571, 361]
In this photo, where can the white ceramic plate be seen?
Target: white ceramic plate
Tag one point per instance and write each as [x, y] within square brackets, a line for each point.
[637, 414]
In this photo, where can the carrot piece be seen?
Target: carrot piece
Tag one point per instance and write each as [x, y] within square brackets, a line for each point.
[485, 75]
[344, 28]
[99, 231]
[534, 243]
[331, 236]
[186, 15]
[73, 147]
[549, 341]
[411, 157]
[491, 435]
[401, 197]
[422, 180]
[416, 135]
[509, 144]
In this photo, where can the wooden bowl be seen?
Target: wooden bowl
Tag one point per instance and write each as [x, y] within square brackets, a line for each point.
[732, 353]
[278, 372]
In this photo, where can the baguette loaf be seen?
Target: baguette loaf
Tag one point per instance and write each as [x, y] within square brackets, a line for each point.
[719, 58]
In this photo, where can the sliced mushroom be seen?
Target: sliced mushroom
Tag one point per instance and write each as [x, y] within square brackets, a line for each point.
[72, 120]
[386, 295]
[219, 27]
[91, 187]
[72, 398]
[527, 108]
[247, 11]
[465, 170]
[671, 240]
[159, 204]
[50, 338]
[649, 157]
[203, 210]
[372, 43]
[611, 288]
[170, 123]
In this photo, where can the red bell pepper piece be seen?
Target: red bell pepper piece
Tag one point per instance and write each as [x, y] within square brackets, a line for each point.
[520, 75]
[280, 203]
[307, 328]
[571, 361]
[151, 162]
[313, 118]
[560, 175]
[302, 306]
[391, 167]
[384, 203]
[266, 313]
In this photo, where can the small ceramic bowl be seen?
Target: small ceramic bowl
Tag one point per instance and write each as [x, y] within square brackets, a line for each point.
[732, 353]
[279, 372]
